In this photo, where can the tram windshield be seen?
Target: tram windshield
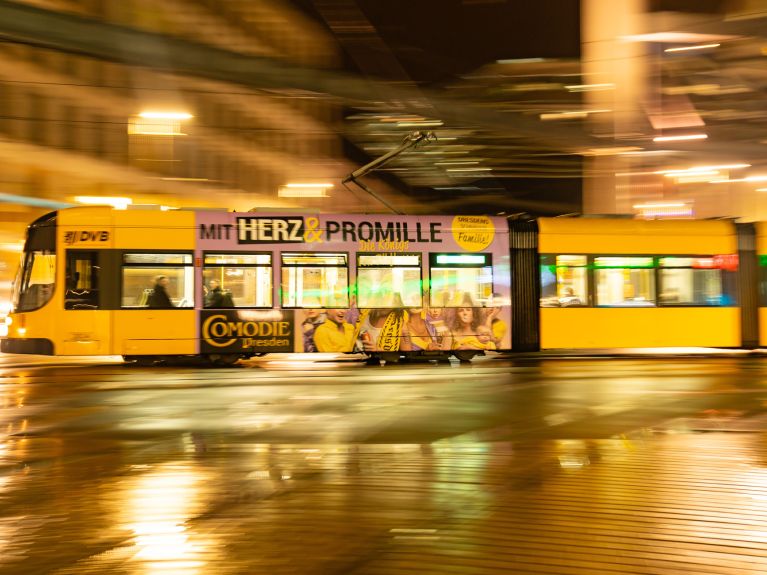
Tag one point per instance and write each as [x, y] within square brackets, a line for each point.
[35, 281]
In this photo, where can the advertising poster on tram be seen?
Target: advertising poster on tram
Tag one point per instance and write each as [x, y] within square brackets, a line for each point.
[355, 283]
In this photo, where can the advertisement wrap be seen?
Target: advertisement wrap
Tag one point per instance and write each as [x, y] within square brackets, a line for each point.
[310, 267]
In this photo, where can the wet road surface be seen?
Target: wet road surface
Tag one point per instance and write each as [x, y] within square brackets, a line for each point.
[571, 466]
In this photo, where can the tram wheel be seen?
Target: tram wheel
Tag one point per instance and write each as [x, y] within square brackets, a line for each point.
[223, 360]
[464, 356]
[390, 357]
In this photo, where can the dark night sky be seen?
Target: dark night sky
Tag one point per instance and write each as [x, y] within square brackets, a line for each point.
[435, 40]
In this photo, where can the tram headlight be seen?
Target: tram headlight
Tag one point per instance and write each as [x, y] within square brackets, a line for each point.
[8, 320]
[22, 331]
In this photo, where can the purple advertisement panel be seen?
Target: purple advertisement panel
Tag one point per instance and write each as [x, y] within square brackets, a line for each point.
[372, 283]
[352, 233]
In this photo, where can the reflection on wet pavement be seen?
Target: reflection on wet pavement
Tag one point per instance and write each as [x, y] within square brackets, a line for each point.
[494, 469]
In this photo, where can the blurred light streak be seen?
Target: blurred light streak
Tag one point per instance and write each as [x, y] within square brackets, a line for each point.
[649, 153]
[686, 48]
[166, 115]
[694, 178]
[691, 174]
[418, 124]
[589, 87]
[612, 151]
[318, 185]
[675, 37]
[521, 61]
[308, 190]
[469, 169]
[35, 202]
[659, 205]
[117, 202]
[681, 137]
[570, 114]
[747, 179]
[699, 169]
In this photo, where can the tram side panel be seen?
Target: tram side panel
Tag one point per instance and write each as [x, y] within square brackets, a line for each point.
[608, 283]
[151, 244]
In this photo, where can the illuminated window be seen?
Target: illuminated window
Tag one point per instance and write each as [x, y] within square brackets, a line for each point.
[141, 270]
[388, 281]
[460, 280]
[625, 281]
[564, 281]
[315, 280]
[690, 281]
[237, 280]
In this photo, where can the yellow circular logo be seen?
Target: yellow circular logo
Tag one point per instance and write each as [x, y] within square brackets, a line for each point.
[473, 233]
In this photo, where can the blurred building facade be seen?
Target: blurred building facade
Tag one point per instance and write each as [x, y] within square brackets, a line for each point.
[683, 81]
[74, 128]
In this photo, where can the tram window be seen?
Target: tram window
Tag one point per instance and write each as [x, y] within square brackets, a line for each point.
[564, 280]
[389, 280]
[246, 277]
[140, 270]
[36, 281]
[453, 276]
[315, 280]
[690, 281]
[81, 290]
[625, 281]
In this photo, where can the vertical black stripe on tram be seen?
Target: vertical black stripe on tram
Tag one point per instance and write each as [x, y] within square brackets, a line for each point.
[748, 285]
[525, 289]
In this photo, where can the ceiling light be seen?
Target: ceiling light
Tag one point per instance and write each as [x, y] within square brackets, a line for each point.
[686, 48]
[700, 169]
[676, 37]
[116, 202]
[612, 151]
[589, 87]
[307, 190]
[659, 205]
[166, 115]
[680, 138]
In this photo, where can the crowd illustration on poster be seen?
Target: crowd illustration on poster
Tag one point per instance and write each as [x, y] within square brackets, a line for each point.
[401, 328]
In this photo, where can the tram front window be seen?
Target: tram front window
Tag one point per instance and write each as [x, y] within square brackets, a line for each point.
[34, 283]
[34, 286]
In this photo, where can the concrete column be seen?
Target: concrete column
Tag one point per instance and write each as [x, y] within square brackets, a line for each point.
[622, 68]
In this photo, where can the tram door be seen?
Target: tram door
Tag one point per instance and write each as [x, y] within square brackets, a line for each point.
[84, 328]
